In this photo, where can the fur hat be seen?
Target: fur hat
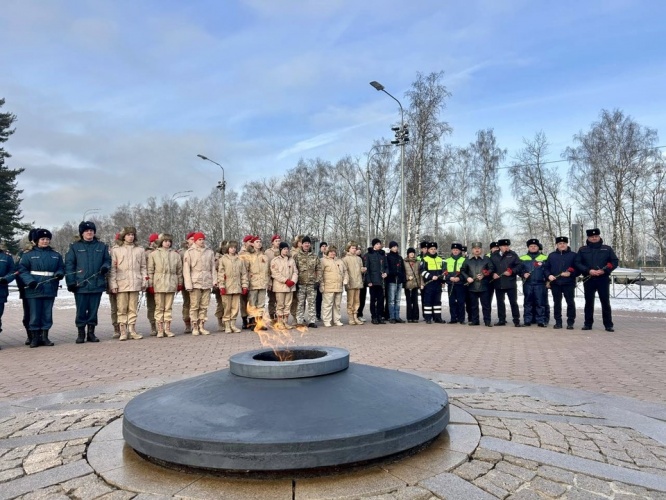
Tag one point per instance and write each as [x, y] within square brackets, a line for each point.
[162, 238]
[332, 248]
[351, 244]
[306, 239]
[456, 246]
[504, 242]
[464, 248]
[199, 236]
[493, 244]
[85, 226]
[275, 237]
[153, 237]
[375, 241]
[594, 232]
[477, 244]
[432, 244]
[532, 241]
[127, 230]
[423, 244]
[283, 244]
[41, 233]
[561, 239]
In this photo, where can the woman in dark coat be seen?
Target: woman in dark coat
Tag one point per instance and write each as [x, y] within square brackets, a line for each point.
[41, 269]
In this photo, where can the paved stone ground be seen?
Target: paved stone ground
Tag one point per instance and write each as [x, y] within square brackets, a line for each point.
[562, 414]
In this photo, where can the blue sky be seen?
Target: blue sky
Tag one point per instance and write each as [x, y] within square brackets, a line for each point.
[115, 99]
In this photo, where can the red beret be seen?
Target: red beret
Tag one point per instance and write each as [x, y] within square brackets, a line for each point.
[275, 237]
[199, 236]
[247, 238]
[153, 237]
[190, 234]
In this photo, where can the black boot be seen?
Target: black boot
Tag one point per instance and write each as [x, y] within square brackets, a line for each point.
[91, 334]
[29, 340]
[82, 335]
[35, 337]
[45, 338]
[244, 318]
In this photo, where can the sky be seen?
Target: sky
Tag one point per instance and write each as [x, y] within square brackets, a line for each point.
[115, 99]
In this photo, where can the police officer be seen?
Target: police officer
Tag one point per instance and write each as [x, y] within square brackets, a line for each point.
[596, 262]
[507, 267]
[456, 284]
[432, 270]
[535, 294]
[87, 262]
[559, 267]
[477, 272]
[7, 269]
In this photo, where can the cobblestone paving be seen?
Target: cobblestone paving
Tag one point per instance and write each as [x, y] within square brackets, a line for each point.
[40, 458]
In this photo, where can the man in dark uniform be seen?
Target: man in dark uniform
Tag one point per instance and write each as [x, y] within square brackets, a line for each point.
[477, 272]
[534, 285]
[7, 275]
[86, 264]
[456, 284]
[432, 271]
[596, 262]
[507, 266]
[561, 273]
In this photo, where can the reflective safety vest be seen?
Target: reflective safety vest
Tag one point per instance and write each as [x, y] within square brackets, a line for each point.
[534, 266]
[431, 266]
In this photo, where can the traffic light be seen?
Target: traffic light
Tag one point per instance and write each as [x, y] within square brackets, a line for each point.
[401, 134]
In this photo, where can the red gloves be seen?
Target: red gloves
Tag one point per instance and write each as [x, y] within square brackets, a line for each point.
[223, 291]
[244, 291]
[151, 290]
[289, 283]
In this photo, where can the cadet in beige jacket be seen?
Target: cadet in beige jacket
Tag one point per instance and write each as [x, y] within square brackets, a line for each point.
[355, 271]
[188, 243]
[165, 269]
[200, 276]
[284, 277]
[258, 275]
[233, 284]
[128, 277]
[271, 253]
[334, 278]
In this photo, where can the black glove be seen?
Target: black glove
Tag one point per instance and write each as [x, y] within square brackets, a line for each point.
[32, 285]
[104, 270]
[59, 276]
[72, 288]
[3, 281]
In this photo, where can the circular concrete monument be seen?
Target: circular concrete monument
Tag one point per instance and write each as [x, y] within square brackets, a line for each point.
[314, 410]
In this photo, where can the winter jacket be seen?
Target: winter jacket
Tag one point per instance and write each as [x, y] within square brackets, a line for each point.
[129, 272]
[45, 267]
[232, 273]
[508, 261]
[7, 270]
[453, 268]
[396, 268]
[199, 268]
[413, 277]
[86, 266]
[596, 256]
[533, 264]
[474, 266]
[375, 262]
[258, 272]
[165, 269]
[559, 262]
[334, 275]
[431, 266]
[283, 269]
[354, 275]
[309, 267]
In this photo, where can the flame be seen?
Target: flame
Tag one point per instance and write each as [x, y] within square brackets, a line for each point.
[274, 334]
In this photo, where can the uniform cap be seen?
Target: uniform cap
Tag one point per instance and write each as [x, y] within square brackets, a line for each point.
[190, 235]
[432, 244]
[85, 226]
[593, 232]
[199, 236]
[153, 237]
[247, 238]
[423, 244]
[456, 246]
[493, 244]
[477, 244]
[275, 237]
[41, 233]
[561, 239]
[504, 242]
[533, 241]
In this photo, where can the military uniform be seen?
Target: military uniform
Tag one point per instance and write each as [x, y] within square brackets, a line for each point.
[432, 271]
[535, 294]
[507, 267]
[309, 277]
[457, 289]
[7, 270]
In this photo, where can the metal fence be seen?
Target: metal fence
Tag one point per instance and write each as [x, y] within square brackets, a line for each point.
[642, 285]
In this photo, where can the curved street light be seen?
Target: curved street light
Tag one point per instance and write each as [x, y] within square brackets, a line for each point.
[222, 186]
[380, 88]
[176, 196]
[89, 211]
[371, 155]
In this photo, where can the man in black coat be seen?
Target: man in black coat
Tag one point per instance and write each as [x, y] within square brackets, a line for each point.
[477, 272]
[375, 263]
[507, 267]
[596, 262]
[561, 273]
[86, 264]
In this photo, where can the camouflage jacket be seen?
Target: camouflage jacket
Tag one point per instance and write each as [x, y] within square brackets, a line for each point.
[309, 267]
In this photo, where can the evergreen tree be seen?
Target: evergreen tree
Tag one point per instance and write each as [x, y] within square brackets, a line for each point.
[10, 203]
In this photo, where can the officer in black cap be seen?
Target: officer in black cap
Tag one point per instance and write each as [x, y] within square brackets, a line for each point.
[561, 273]
[432, 270]
[534, 284]
[507, 266]
[596, 262]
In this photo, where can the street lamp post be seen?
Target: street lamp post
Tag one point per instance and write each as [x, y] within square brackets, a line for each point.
[401, 140]
[89, 211]
[176, 196]
[222, 186]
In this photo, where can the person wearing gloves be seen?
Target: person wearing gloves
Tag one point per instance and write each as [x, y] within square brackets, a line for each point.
[41, 269]
[87, 263]
[233, 283]
[561, 273]
[200, 276]
[165, 270]
[284, 276]
[7, 270]
[128, 277]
